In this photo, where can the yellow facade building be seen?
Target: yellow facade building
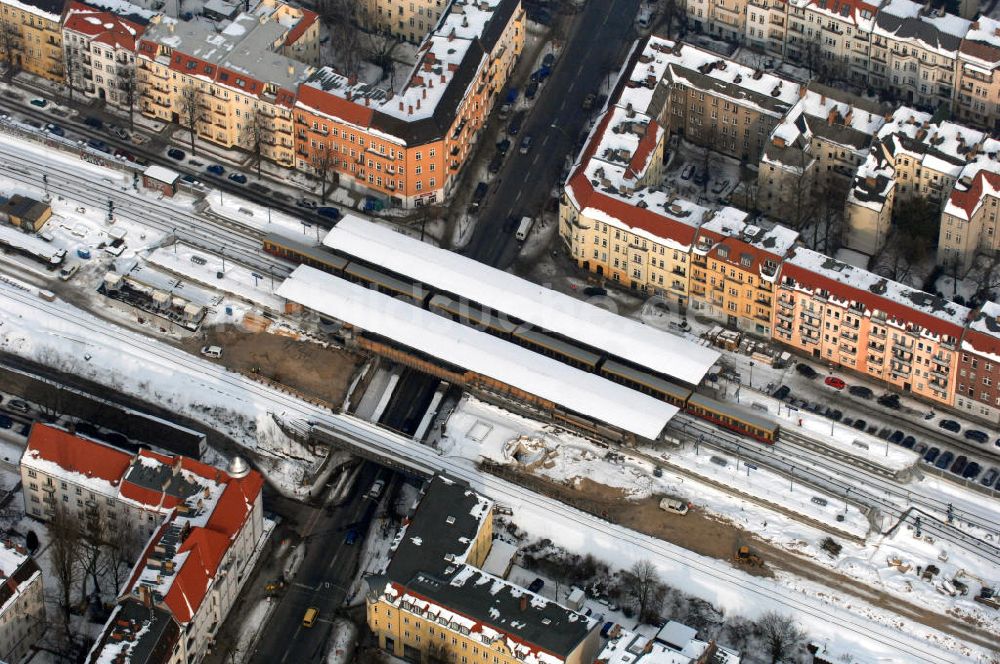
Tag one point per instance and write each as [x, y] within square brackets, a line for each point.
[435, 603]
[31, 37]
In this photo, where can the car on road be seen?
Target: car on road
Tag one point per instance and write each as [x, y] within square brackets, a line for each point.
[215, 169]
[495, 163]
[782, 392]
[549, 60]
[944, 460]
[536, 585]
[99, 145]
[174, 153]
[238, 178]
[478, 195]
[514, 126]
[6, 422]
[977, 435]
[931, 455]
[526, 144]
[595, 291]
[67, 272]
[960, 464]
[95, 123]
[896, 437]
[859, 425]
[806, 370]
[989, 477]
[950, 425]
[306, 203]
[376, 489]
[55, 129]
[211, 351]
[309, 619]
[588, 101]
[861, 391]
[971, 471]
[890, 400]
[352, 536]
[18, 406]
[503, 147]
[328, 212]
[835, 383]
[39, 102]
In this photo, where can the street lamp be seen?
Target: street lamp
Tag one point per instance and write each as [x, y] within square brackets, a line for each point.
[751, 374]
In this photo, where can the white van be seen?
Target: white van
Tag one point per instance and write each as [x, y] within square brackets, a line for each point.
[674, 505]
[211, 351]
[524, 228]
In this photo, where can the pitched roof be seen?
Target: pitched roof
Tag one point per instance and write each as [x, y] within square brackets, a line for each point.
[75, 454]
[104, 27]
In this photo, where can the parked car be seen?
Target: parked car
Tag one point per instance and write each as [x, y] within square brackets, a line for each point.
[503, 147]
[806, 370]
[55, 129]
[39, 102]
[478, 195]
[595, 291]
[944, 460]
[782, 392]
[215, 169]
[686, 174]
[376, 489]
[989, 477]
[531, 90]
[536, 585]
[515, 123]
[896, 437]
[919, 448]
[174, 153]
[6, 422]
[960, 464]
[306, 203]
[971, 471]
[950, 425]
[861, 391]
[238, 178]
[835, 383]
[18, 406]
[859, 425]
[95, 123]
[549, 59]
[977, 435]
[124, 154]
[211, 351]
[588, 101]
[833, 414]
[495, 163]
[540, 74]
[931, 455]
[120, 133]
[526, 144]
[99, 145]
[909, 442]
[890, 400]
[328, 212]
[67, 272]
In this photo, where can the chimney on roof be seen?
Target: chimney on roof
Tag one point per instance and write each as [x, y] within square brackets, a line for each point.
[870, 181]
[147, 598]
[648, 648]
[451, 35]
[410, 111]
[423, 94]
[629, 111]
[802, 91]
[352, 79]
[418, 104]
[291, 70]
[524, 603]
[368, 101]
[170, 27]
[401, 108]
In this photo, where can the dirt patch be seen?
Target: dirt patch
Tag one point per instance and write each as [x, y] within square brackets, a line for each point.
[324, 373]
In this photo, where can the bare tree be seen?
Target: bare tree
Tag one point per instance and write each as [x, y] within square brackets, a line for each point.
[10, 46]
[190, 111]
[324, 163]
[339, 16]
[127, 89]
[378, 48]
[122, 550]
[94, 537]
[253, 136]
[642, 585]
[64, 542]
[74, 69]
[780, 635]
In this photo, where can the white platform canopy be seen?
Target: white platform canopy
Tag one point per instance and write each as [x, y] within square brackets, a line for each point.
[575, 390]
[556, 312]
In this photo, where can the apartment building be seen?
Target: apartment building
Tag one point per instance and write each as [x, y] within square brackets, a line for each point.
[674, 643]
[911, 157]
[99, 54]
[409, 20]
[767, 25]
[977, 75]
[815, 151]
[725, 19]
[32, 37]
[969, 218]
[914, 50]
[237, 85]
[409, 146]
[858, 320]
[205, 529]
[977, 393]
[435, 601]
[22, 603]
[716, 102]
[734, 267]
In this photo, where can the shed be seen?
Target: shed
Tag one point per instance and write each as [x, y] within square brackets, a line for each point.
[161, 179]
[676, 635]
[501, 557]
[26, 213]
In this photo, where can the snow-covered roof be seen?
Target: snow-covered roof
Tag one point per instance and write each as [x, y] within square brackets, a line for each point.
[810, 269]
[523, 300]
[981, 46]
[31, 244]
[917, 24]
[103, 27]
[854, 12]
[627, 647]
[161, 173]
[465, 347]
[625, 150]
[983, 333]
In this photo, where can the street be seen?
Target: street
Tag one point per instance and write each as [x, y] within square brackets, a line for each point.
[524, 183]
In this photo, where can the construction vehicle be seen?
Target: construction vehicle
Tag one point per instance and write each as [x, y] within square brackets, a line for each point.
[745, 557]
[988, 597]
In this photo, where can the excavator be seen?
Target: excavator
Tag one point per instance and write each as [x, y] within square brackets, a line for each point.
[745, 557]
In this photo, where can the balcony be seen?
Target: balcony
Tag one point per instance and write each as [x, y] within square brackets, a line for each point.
[939, 373]
[850, 350]
[785, 317]
[48, 488]
[810, 323]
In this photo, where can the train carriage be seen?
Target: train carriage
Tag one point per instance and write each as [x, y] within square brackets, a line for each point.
[389, 285]
[645, 382]
[548, 345]
[471, 314]
[733, 418]
[313, 256]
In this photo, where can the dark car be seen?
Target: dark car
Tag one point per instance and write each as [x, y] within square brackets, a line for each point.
[909, 442]
[99, 145]
[971, 471]
[55, 129]
[931, 455]
[503, 147]
[477, 196]
[944, 460]
[541, 73]
[352, 536]
[6, 422]
[919, 448]
[515, 123]
[594, 291]
[215, 169]
[96, 123]
[328, 212]
[495, 163]
[540, 15]
[884, 433]
[989, 477]
[124, 154]
[782, 392]
[977, 435]
[889, 400]
[859, 425]
[531, 90]
[259, 188]
[950, 425]
[896, 437]
[861, 391]
[834, 414]
[238, 178]
[174, 153]
[536, 585]
[960, 463]
[549, 59]
[806, 370]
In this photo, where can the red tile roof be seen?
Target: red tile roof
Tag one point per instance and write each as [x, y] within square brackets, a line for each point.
[332, 106]
[968, 200]
[308, 18]
[205, 550]
[76, 454]
[104, 27]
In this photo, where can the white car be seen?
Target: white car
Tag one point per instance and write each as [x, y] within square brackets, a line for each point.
[376, 489]
[67, 272]
[674, 505]
[211, 351]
